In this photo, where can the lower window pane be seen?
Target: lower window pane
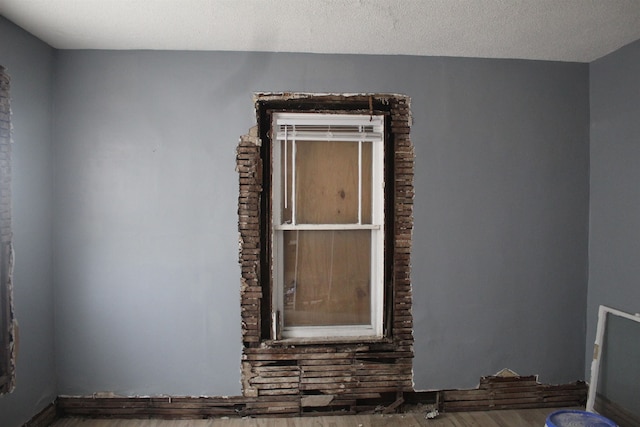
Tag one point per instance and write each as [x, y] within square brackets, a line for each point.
[327, 278]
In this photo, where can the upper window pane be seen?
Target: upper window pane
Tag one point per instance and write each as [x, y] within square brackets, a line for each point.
[332, 186]
[326, 168]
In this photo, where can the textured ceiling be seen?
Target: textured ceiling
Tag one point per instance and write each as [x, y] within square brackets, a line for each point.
[563, 30]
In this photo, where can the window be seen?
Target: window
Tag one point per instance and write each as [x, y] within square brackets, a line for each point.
[328, 224]
[7, 326]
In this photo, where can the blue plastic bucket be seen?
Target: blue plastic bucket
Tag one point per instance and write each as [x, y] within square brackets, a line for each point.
[573, 418]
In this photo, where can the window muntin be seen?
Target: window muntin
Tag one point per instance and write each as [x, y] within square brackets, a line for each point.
[328, 224]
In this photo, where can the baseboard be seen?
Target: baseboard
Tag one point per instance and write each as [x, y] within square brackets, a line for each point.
[620, 415]
[514, 392]
[44, 418]
[214, 407]
[150, 407]
[493, 393]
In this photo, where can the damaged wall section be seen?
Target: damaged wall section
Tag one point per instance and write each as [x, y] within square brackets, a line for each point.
[331, 375]
[7, 322]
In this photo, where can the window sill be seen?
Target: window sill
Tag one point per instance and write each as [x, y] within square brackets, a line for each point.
[327, 341]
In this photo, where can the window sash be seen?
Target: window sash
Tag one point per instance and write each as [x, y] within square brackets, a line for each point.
[327, 128]
[285, 227]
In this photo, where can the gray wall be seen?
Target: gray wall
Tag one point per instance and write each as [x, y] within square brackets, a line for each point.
[146, 274]
[500, 259]
[143, 200]
[614, 242]
[30, 64]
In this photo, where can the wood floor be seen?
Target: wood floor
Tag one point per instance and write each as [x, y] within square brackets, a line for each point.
[506, 418]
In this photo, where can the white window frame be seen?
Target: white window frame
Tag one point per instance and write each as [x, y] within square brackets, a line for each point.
[318, 127]
[603, 311]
